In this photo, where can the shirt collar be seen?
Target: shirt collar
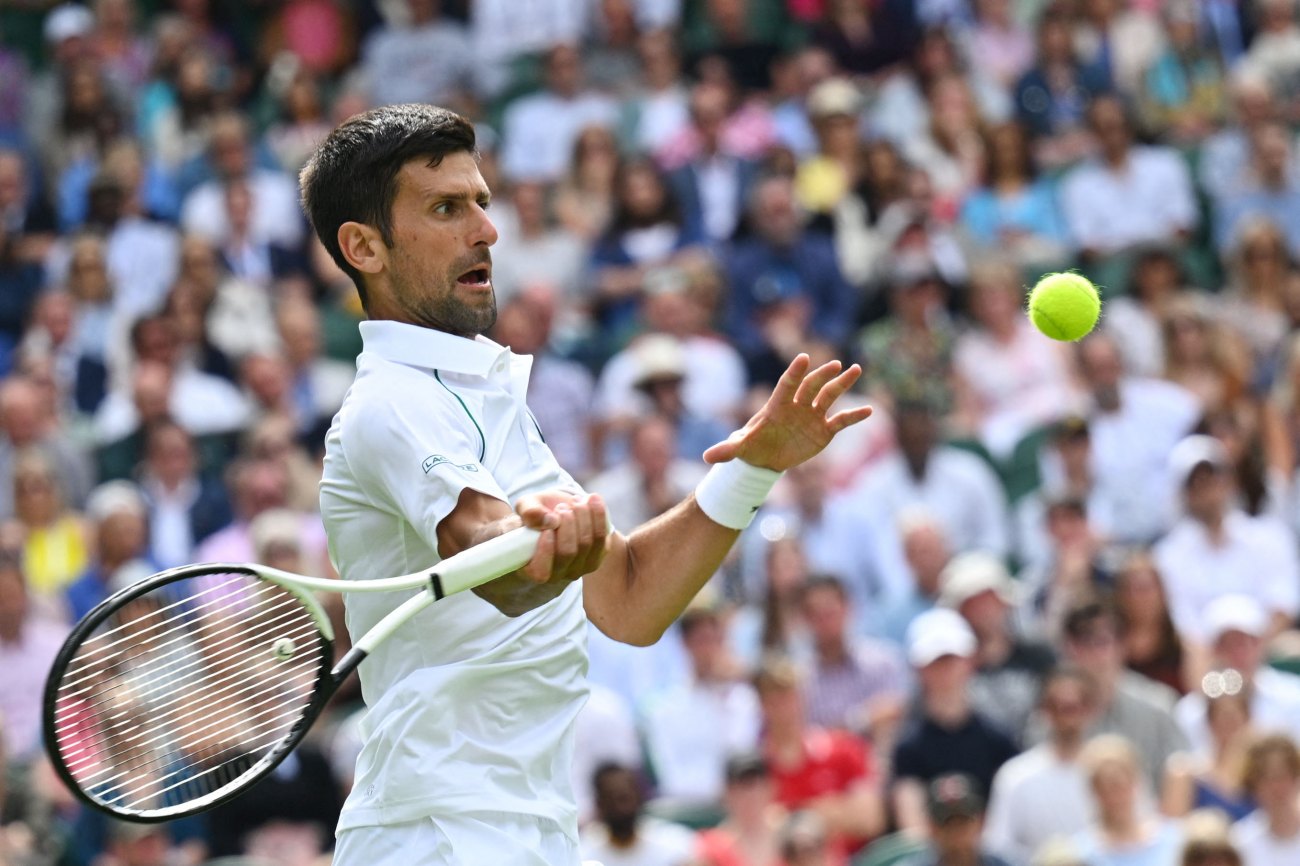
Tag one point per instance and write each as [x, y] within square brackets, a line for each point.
[435, 350]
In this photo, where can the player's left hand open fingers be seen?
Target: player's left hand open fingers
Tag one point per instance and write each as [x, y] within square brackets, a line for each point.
[815, 381]
[847, 418]
[835, 388]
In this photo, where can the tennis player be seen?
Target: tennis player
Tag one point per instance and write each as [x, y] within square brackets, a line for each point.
[468, 732]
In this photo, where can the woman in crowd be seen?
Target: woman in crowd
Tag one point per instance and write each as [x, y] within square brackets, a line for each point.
[1126, 832]
[1152, 646]
[1215, 783]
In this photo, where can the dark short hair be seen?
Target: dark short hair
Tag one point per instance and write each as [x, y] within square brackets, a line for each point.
[1084, 615]
[352, 176]
[824, 581]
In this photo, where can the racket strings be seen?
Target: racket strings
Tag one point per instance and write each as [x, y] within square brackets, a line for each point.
[166, 674]
[232, 600]
[185, 689]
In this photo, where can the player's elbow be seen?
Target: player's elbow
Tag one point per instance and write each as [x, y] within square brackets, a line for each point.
[629, 630]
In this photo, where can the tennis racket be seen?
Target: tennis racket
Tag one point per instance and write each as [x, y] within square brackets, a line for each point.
[180, 691]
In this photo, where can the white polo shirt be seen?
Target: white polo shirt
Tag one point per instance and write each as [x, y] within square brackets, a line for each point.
[468, 710]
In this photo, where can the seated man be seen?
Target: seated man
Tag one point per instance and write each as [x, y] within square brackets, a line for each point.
[956, 818]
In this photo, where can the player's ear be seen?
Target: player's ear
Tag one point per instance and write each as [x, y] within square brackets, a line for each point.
[362, 247]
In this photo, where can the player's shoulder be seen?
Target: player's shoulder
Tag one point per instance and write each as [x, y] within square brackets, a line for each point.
[386, 394]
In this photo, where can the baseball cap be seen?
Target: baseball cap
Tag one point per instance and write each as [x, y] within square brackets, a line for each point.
[953, 796]
[1194, 451]
[970, 574]
[1235, 612]
[658, 356]
[832, 97]
[938, 633]
[68, 22]
[746, 767]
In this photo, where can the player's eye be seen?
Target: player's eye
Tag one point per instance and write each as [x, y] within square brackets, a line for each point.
[485, 203]
[443, 208]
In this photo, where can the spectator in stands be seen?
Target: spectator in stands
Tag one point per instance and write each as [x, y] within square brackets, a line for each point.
[1225, 164]
[1206, 358]
[1135, 319]
[56, 542]
[676, 303]
[1274, 52]
[652, 480]
[837, 536]
[1236, 628]
[24, 426]
[1133, 425]
[540, 130]
[1131, 193]
[714, 184]
[1214, 781]
[28, 644]
[584, 197]
[559, 390]
[236, 312]
[1008, 667]
[854, 683]
[185, 506]
[535, 251]
[661, 107]
[828, 772]
[119, 527]
[1215, 548]
[910, 352]
[605, 732]
[1183, 89]
[1052, 97]
[318, 383]
[1014, 210]
[1254, 302]
[1136, 709]
[1042, 793]
[955, 810]
[956, 487]
[257, 484]
[425, 56]
[695, 727]
[1270, 836]
[275, 216]
[623, 834]
[778, 267]
[923, 550]
[648, 230]
[1274, 197]
[946, 735]
[1125, 830]
[1152, 645]
[748, 835]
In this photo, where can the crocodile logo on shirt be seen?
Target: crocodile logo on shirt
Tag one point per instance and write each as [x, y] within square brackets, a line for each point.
[435, 460]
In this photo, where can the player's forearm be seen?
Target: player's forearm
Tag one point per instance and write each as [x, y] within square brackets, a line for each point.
[661, 566]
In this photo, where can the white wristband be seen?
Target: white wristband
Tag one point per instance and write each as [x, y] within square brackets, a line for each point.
[733, 491]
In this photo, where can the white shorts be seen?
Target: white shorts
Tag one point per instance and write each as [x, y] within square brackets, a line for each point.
[459, 840]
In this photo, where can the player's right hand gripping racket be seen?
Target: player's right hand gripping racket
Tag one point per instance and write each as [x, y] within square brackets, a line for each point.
[180, 691]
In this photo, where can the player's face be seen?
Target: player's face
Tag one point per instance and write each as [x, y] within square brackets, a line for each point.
[440, 264]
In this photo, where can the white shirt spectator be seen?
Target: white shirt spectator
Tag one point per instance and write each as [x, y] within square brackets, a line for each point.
[959, 490]
[1274, 706]
[658, 843]
[276, 218]
[502, 30]
[1130, 453]
[199, 402]
[1149, 199]
[1258, 845]
[1036, 797]
[425, 63]
[560, 394]
[692, 729]
[557, 259]
[1257, 558]
[1137, 335]
[605, 731]
[714, 383]
[1019, 385]
[539, 132]
[462, 685]
[623, 489]
[143, 261]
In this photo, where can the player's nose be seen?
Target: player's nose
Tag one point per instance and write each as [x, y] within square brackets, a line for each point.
[485, 231]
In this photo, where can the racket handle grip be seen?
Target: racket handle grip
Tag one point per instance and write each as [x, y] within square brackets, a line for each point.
[484, 562]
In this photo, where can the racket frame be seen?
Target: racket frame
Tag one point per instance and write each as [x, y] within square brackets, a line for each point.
[470, 568]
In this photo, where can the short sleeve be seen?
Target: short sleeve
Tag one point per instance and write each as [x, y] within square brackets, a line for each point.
[416, 457]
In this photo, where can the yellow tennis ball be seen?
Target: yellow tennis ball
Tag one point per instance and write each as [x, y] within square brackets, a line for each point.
[1064, 306]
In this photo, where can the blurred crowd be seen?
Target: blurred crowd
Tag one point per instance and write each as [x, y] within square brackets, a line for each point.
[1040, 610]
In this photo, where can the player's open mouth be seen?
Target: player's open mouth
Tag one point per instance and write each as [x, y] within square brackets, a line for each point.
[479, 277]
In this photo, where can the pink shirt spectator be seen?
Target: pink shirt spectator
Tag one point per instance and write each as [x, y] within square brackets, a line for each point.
[748, 134]
[25, 664]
